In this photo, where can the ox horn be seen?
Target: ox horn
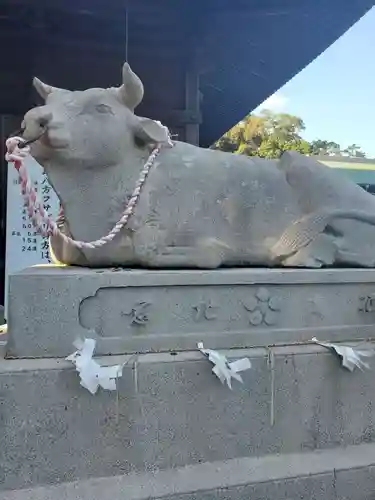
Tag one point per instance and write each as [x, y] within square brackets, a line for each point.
[43, 89]
[131, 90]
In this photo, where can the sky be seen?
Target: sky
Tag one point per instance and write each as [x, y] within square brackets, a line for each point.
[335, 94]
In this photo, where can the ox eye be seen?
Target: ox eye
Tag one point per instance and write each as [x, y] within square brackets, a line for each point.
[103, 108]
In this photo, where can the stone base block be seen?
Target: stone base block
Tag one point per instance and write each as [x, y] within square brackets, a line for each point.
[130, 311]
[327, 475]
[171, 411]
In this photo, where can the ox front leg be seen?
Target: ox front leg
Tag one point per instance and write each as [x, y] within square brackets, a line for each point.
[65, 253]
[208, 253]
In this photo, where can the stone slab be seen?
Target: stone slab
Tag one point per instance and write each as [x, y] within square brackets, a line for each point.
[358, 484]
[310, 476]
[304, 488]
[173, 412]
[131, 311]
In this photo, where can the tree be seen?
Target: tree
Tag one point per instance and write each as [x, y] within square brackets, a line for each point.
[273, 147]
[225, 144]
[354, 151]
[269, 134]
[282, 126]
[243, 138]
[322, 147]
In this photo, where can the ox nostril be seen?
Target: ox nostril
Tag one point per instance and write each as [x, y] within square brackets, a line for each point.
[43, 122]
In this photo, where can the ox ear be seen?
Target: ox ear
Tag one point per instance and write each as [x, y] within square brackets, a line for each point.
[151, 131]
[43, 89]
[131, 91]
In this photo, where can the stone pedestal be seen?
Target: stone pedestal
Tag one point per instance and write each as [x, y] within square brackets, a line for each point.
[141, 311]
[282, 433]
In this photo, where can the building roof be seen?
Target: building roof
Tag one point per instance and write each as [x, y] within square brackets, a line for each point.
[244, 49]
[359, 170]
[347, 163]
[260, 49]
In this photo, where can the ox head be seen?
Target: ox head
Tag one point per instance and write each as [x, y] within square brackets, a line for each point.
[95, 127]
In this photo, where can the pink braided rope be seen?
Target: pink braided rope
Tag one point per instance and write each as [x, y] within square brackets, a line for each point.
[43, 223]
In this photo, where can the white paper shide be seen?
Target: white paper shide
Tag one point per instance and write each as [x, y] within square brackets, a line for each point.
[350, 358]
[93, 375]
[223, 369]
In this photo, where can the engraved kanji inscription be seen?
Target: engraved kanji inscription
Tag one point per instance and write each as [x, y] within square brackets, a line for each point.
[204, 310]
[367, 303]
[139, 313]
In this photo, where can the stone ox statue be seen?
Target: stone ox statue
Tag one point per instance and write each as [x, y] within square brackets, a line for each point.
[199, 208]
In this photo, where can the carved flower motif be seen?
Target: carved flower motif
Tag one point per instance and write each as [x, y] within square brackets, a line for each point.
[263, 308]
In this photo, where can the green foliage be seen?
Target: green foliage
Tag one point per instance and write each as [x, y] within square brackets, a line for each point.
[269, 134]
[354, 151]
[273, 147]
[320, 147]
